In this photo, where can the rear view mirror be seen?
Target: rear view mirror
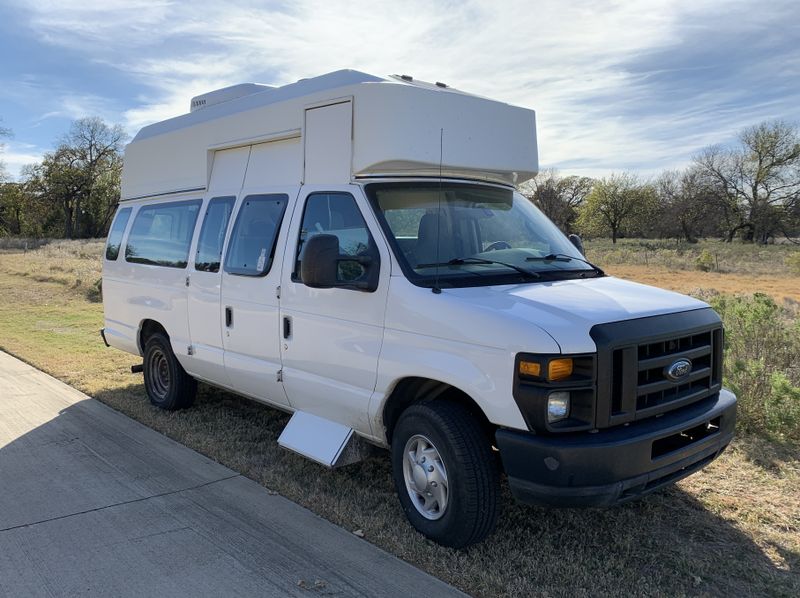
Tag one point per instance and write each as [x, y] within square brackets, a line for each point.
[323, 267]
[578, 243]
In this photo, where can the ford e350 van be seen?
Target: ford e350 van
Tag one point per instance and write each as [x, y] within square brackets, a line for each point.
[352, 249]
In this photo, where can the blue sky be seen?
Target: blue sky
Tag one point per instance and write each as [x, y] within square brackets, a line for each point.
[617, 85]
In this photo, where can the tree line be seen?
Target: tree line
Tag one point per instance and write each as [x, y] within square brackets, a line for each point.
[748, 190]
[73, 192]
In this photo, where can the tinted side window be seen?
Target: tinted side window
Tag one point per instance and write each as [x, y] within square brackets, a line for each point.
[336, 214]
[116, 232]
[162, 233]
[252, 246]
[212, 234]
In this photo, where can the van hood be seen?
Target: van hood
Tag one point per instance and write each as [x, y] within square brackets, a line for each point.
[568, 309]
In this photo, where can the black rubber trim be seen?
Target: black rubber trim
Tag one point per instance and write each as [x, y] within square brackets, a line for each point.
[614, 465]
[103, 336]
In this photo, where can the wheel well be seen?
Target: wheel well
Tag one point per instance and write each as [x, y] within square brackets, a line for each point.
[409, 391]
[147, 329]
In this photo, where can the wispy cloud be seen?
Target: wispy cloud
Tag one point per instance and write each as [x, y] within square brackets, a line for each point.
[615, 84]
[17, 155]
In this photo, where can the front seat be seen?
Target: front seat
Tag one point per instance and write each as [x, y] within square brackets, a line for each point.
[434, 231]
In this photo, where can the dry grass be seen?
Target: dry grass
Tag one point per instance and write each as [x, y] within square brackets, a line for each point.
[733, 268]
[782, 288]
[709, 255]
[733, 528]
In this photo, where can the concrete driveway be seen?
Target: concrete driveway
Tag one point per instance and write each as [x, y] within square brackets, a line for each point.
[93, 503]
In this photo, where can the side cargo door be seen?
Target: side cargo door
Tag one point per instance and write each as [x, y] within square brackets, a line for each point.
[252, 270]
[204, 281]
[250, 303]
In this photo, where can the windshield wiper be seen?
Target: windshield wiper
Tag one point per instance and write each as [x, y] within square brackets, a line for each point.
[563, 257]
[458, 261]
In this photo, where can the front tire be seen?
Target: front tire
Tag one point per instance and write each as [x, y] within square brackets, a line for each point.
[445, 473]
[167, 384]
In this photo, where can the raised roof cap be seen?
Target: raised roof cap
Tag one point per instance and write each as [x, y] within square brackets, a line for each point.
[225, 94]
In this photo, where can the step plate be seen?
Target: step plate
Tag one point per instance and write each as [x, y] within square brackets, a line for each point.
[321, 440]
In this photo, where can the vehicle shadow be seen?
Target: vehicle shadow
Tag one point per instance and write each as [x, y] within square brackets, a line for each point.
[678, 541]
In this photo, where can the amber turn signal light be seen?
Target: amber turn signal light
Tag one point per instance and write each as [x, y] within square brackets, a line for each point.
[530, 368]
[559, 369]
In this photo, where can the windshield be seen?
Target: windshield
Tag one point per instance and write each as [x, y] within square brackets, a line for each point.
[472, 234]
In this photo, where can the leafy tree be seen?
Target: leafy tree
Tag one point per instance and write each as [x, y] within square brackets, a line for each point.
[12, 208]
[558, 197]
[757, 182]
[617, 204]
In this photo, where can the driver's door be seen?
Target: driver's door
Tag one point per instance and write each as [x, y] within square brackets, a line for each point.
[331, 338]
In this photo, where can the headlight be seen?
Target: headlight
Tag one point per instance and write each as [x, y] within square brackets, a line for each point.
[557, 406]
[555, 392]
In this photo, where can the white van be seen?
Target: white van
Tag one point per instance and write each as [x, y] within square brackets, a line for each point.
[352, 249]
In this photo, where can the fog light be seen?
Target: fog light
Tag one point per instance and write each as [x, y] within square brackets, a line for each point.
[557, 406]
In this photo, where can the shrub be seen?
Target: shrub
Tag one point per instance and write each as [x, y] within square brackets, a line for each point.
[762, 353]
[704, 261]
[95, 292]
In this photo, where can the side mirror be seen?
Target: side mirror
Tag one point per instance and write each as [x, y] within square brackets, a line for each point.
[323, 267]
[578, 243]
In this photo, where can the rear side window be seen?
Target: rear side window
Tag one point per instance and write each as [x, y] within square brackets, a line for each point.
[212, 234]
[161, 234]
[252, 246]
[115, 234]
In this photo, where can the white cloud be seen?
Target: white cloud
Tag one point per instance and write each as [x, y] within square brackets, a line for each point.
[17, 155]
[569, 61]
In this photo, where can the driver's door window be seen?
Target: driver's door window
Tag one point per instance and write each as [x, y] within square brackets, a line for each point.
[336, 214]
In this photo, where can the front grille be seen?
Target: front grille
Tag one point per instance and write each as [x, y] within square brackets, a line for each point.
[632, 372]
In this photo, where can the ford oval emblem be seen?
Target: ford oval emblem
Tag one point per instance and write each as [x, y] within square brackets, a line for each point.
[678, 369]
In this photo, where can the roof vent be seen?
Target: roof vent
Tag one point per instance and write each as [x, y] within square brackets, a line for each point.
[406, 77]
[440, 84]
[225, 95]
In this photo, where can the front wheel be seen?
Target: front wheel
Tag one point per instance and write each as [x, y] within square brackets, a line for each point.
[445, 473]
[167, 383]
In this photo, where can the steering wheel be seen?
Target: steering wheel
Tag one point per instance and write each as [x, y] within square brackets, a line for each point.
[498, 245]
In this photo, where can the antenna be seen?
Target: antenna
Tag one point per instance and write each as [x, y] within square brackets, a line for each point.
[436, 288]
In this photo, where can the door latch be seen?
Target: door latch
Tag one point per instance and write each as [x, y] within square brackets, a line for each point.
[287, 327]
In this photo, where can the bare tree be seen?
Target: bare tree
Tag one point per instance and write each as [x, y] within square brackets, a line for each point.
[688, 207]
[757, 183]
[95, 148]
[5, 133]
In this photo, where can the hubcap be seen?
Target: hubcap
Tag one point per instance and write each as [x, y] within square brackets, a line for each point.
[426, 477]
[158, 368]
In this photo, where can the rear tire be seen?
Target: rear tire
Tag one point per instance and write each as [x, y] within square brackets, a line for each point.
[167, 384]
[445, 473]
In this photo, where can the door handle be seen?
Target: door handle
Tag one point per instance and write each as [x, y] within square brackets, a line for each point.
[228, 317]
[287, 327]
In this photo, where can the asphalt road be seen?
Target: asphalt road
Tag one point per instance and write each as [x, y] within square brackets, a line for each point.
[93, 503]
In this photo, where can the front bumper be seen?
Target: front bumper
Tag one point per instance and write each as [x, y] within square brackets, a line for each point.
[617, 464]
